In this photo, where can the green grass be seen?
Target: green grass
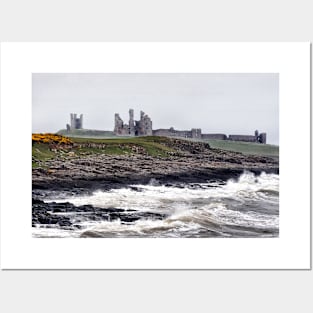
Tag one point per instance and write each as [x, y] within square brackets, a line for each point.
[124, 140]
[115, 146]
[156, 149]
[152, 145]
[41, 152]
[245, 147]
[110, 149]
[35, 165]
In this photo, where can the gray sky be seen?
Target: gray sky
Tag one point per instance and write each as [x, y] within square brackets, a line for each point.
[216, 103]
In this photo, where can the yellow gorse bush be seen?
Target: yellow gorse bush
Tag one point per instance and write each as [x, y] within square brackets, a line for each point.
[51, 138]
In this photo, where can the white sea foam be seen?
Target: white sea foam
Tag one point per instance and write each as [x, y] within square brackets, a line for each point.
[247, 205]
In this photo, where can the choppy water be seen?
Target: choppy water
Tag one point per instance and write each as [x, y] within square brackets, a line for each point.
[247, 207]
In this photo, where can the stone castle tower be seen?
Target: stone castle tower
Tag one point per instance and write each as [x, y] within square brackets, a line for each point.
[131, 123]
[143, 127]
[76, 122]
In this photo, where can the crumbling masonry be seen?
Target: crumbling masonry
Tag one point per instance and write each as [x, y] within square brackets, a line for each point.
[143, 127]
[76, 122]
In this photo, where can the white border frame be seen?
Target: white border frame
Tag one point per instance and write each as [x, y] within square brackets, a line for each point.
[290, 251]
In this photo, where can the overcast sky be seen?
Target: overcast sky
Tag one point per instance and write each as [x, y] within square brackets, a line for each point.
[216, 103]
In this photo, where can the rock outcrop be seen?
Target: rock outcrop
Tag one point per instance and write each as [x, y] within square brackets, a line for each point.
[189, 162]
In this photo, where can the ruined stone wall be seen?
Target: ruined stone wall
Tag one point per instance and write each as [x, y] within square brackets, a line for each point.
[119, 127]
[245, 138]
[131, 124]
[162, 132]
[143, 127]
[183, 133]
[76, 122]
[72, 123]
[196, 133]
[171, 132]
[80, 122]
[214, 136]
[262, 138]
[193, 133]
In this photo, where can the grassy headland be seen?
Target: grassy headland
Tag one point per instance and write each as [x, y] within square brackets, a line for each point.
[43, 150]
[150, 145]
[91, 163]
[251, 148]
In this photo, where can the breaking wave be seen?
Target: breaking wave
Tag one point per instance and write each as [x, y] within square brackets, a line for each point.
[247, 207]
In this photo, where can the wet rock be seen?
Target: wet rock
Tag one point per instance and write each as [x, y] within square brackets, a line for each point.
[58, 210]
[36, 201]
[138, 189]
[196, 163]
[64, 222]
[53, 214]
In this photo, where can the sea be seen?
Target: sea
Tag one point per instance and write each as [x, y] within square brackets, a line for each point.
[243, 207]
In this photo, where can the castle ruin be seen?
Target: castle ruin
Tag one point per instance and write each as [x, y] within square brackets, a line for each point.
[76, 122]
[143, 127]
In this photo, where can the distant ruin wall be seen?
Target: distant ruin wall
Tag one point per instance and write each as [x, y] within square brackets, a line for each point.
[171, 132]
[143, 127]
[262, 138]
[119, 127]
[162, 132]
[131, 123]
[75, 122]
[245, 138]
[214, 136]
[196, 133]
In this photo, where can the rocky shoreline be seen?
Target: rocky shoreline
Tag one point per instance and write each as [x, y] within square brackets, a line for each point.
[71, 174]
[69, 217]
[83, 174]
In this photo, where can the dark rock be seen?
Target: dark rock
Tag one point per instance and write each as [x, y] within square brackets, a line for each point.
[58, 210]
[195, 163]
[36, 201]
[134, 188]
[64, 222]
